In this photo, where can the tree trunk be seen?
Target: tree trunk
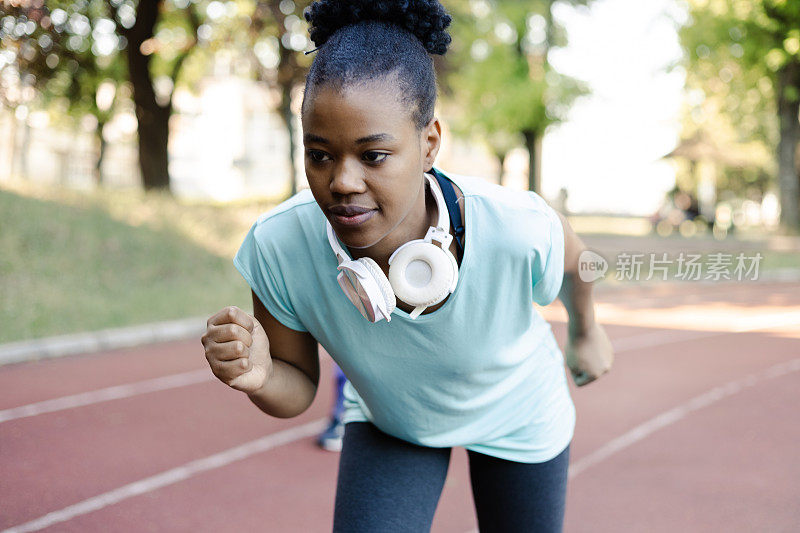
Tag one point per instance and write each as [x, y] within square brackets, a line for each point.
[12, 145]
[153, 134]
[288, 119]
[501, 159]
[25, 149]
[153, 118]
[788, 179]
[534, 171]
[289, 74]
[101, 152]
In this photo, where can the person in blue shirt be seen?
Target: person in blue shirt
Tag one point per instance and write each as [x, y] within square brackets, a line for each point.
[331, 438]
[420, 284]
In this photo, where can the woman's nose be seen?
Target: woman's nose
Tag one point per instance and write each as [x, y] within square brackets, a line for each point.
[347, 178]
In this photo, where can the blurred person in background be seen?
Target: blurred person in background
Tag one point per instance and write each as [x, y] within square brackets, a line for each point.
[331, 438]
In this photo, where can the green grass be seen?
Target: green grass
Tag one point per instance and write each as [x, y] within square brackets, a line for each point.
[70, 264]
[77, 261]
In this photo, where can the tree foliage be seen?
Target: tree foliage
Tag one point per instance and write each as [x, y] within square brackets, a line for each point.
[743, 56]
[76, 53]
[504, 76]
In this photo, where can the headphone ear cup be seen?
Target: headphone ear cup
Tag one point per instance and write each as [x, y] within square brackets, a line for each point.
[381, 281]
[440, 269]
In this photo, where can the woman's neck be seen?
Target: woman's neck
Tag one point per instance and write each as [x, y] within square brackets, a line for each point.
[412, 227]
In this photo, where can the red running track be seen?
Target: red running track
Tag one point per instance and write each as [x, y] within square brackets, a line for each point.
[695, 429]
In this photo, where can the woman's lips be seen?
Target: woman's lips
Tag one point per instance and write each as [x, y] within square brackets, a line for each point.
[353, 220]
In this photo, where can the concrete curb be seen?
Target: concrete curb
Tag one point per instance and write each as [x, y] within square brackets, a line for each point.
[106, 339]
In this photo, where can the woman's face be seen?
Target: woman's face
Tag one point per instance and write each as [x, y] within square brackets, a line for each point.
[364, 160]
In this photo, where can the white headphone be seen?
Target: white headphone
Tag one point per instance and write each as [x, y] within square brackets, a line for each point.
[420, 272]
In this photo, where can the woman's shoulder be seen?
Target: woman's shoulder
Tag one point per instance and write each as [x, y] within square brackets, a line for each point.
[512, 220]
[295, 205]
[290, 221]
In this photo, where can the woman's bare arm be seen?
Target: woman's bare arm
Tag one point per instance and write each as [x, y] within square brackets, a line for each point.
[575, 294]
[588, 353]
[292, 386]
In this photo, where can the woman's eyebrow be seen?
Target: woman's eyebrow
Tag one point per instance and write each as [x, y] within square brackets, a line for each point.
[310, 138]
[376, 137]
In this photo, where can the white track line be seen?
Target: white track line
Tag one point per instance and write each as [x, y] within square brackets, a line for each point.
[199, 376]
[104, 395]
[659, 338]
[680, 412]
[296, 433]
[172, 476]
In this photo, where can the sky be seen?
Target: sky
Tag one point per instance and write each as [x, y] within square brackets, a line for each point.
[607, 154]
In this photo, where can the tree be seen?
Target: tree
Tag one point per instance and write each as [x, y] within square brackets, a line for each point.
[750, 50]
[282, 21]
[17, 85]
[277, 36]
[153, 110]
[69, 67]
[272, 35]
[504, 76]
[79, 52]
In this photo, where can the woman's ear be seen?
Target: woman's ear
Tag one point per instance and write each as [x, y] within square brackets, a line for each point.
[431, 140]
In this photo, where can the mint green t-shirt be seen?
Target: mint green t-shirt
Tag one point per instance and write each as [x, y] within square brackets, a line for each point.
[483, 371]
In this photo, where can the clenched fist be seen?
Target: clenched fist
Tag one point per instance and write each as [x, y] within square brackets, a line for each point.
[237, 349]
[590, 355]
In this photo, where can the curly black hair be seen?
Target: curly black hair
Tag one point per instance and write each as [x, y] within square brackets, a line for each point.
[360, 40]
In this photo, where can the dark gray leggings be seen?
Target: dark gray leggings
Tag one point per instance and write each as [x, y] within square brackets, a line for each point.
[388, 484]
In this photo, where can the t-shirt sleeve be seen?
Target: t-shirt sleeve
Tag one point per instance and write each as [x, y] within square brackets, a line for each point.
[548, 267]
[260, 269]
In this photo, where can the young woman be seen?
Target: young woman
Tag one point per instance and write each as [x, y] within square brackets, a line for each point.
[420, 284]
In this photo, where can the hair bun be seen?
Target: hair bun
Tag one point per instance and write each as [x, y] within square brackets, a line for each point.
[426, 19]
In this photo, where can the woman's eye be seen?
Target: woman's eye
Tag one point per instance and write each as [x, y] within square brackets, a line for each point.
[316, 156]
[380, 157]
